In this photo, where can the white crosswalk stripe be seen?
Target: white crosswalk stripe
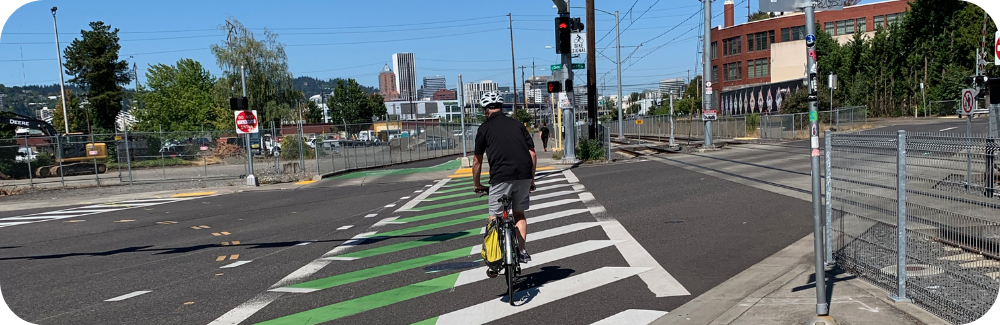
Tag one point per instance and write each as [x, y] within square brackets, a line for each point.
[86, 210]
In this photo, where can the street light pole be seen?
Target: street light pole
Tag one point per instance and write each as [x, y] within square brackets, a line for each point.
[618, 57]
[62, 86]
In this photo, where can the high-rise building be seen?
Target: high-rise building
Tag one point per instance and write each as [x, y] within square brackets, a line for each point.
[473, 91]
[406, 75]
[387, 84]
[672, 86]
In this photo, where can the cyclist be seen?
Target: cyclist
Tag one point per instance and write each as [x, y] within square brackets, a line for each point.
[511, 152]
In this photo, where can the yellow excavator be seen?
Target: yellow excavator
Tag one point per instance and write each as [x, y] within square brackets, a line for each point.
[74, 154]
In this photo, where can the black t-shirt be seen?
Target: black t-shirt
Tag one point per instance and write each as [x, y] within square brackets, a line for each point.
[545, 132]
[506, 143]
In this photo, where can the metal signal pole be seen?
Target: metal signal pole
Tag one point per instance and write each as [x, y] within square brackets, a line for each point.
[822, 306]
[705, 80]
[591, 72]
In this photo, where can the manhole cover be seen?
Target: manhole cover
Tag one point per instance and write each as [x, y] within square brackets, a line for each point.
[914, 270]
[452, 266]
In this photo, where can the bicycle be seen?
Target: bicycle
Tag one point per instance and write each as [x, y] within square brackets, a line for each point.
[508, 247]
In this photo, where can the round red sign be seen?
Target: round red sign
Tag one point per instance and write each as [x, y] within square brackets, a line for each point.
[246, 122]
[997, 50]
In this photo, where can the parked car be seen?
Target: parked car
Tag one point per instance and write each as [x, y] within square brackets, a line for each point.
[26, 154]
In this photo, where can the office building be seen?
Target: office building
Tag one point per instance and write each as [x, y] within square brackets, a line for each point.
[406, 110]
[473, 91]
[767, 58]
[406, 75]
[672, 86]
[387, 84]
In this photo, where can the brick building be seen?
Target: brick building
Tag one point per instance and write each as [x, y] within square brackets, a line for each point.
[759, 53]
[445, 94]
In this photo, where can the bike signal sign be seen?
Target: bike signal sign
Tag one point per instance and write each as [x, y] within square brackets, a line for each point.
[246, 122]
[968, 101]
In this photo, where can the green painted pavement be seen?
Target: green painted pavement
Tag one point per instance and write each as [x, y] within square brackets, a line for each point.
[431, 321]
[452, 203]
[455, 190]
[341, 279]
[436, 198]
[412, 244]
[430, 226]
[369, 302]
[451, 165]
[443, 213]
[483, 180]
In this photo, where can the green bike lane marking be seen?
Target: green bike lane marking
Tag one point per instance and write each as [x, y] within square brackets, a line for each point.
[467, 183]
[358, 305]
[443, 213]
[412, 244]
[454, 189]
[431, 321]
[451, 165]
[341, 279]
[451, 196]
[430, 226]
[452, 203]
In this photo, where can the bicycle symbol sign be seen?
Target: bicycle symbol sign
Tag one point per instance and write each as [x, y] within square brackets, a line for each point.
[968, 101]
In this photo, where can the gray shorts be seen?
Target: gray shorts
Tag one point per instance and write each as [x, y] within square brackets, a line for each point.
[518, 192]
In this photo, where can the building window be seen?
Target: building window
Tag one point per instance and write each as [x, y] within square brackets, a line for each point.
[862, 24]
[762, 66]
[798, 33]
[732, 46]
[850, 27]
[879, 22]
[892, 19]
[750, 70]
[733, 71]
[715, 74]
[759, 41]
[829, 28]
[750, 39]
[770, 37]
[841, 27]
[785, 35]
[715, 50]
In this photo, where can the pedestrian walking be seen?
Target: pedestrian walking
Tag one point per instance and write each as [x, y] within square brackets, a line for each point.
[544, 135]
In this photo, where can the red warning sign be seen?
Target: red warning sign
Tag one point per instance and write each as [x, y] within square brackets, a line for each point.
[246, 122]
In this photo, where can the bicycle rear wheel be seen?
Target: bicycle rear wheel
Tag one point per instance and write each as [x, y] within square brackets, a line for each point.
[510, 283]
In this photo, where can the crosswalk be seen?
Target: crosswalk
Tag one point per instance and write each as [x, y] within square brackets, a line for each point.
[442, 226]
[89, 210]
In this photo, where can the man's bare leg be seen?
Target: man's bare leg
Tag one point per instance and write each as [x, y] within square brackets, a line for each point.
[522, 229]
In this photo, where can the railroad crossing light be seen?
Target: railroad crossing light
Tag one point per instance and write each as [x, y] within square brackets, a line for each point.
[564, 26]
[554, 87]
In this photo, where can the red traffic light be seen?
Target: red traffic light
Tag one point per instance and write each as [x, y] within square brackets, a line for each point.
[563, 25]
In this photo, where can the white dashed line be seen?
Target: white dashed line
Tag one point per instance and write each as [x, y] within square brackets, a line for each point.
[404, 198]
[390, 205]
[371, 215]
[234, 264]
[345, 227]
[126, 296]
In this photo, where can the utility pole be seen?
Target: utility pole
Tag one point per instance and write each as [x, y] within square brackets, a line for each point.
[513, 69]
[524, 89]
[62, 84]
[618, 57]
[707, 60]
[591, 72]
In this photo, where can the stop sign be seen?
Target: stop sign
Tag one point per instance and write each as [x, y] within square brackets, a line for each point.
[246, 122]
[996, 50]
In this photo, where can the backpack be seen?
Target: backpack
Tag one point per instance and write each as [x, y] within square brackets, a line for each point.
[492, 254]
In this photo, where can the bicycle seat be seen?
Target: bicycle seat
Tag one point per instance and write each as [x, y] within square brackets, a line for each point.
[505, 199]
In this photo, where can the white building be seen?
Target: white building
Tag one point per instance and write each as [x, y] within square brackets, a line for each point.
[473, 91]
[406, 110]
[675, 86]
[404, 67]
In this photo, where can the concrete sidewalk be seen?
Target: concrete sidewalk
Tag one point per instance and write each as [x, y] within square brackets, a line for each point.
[780, 290]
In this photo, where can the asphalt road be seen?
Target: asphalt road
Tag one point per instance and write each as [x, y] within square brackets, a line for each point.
[63, 271]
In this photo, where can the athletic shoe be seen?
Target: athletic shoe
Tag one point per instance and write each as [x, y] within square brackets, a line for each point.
[523, 257]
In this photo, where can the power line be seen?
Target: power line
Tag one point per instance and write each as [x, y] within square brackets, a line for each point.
[397, 40]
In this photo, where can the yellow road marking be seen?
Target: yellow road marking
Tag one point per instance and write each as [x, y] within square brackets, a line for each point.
[218, 274]
[234, 256]
[304, 182]
[189, 303]
[216, 234]
[166, 222]
[192, 194]
[125, 220]
[205, 227]
[225, 233]
[462, 173]
[463, 170]
[74, 221]
[225, 243]
[236, 242]
[220, 258]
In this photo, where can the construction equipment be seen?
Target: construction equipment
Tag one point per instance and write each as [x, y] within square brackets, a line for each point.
[75, 156]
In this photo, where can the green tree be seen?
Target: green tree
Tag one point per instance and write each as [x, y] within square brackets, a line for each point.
[313, 113]
[93, 62]
[523, 116]
[760, 15]
[178, 98]
[268, 81]
[350, 103]
[77, 114]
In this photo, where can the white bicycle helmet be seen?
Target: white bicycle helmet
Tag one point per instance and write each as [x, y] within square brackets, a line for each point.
[490, 98]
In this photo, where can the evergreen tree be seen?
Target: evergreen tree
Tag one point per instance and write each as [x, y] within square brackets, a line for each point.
[93, 62]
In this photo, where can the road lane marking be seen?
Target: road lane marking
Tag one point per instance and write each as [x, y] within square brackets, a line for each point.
[404, 198]
[166, 222]
[390, 205]
[951, 128]
[545, 205]
[345, 227]
[414, 201]
[388, 297]
[225, 243]
[192, 194]
[546, 188]
[220, 258]
[205, 227]
[234, 257]
[417, 191]
[443, 213]
[452, 203]
[304, 243]
[130, 295]
[450, 196]
[436, 225]
[5, 224]
[658, 280]
[74, 220]
[552, 195]
[632, 316]
[371, 215]
[386, 221]
[236, 242]
[305, 182]
[124, 220]
[228, 266]
[216, 234]
[413, 244]
[341, 279]
[225, 233]
[550, 292]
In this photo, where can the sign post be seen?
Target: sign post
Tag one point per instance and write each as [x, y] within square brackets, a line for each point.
[249, 126]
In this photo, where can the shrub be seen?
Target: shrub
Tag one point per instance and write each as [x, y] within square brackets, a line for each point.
[290, 149]
[557, 154]
[589, 150]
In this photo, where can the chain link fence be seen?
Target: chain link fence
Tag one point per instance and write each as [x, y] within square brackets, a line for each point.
[280, 154]
[796, 126]
[657, 127]
[923, 206]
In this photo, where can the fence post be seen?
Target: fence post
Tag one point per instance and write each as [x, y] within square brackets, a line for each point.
[128, 154]
[829, 204]
[31, 178]
[900, 295]
[59, 152]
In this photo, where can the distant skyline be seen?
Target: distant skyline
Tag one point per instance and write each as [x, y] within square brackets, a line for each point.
[356, 39]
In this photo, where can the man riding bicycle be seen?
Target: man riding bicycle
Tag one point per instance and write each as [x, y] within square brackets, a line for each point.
[511, 152]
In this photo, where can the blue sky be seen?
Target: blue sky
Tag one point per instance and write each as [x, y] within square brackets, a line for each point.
[353, 39]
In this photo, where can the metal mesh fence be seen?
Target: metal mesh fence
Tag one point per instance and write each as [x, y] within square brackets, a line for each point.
[796, 126]
[279, 154]
[657, 127]
[945, 201]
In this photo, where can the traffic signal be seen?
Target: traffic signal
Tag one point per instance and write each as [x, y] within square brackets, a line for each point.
[568, 85]
[576, 26]
[239, 104]
[554, 87]
[564, 30]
